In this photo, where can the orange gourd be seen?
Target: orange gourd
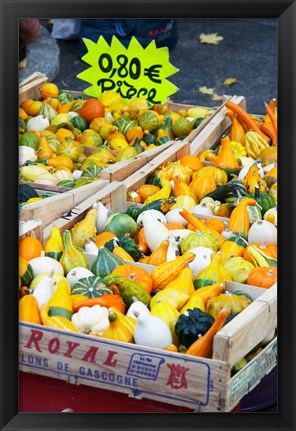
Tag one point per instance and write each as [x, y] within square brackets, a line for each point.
[174, 225]
[159, 254]
[49, 89]
[147, 190]
[120, 252]
[142, 243]
[104, 237]
[202, 185]
[64, 134]
[133, 133]
[207, 292]
[135, 273]
[203, 346]
[215, 224]
[184, 282]
[182, 189]
[44, 151]
[29, 310]
[60, 162]
[30, 247]
[106, 300]
[237, 132]
[192, 162]
[226, 159]
[262, 277]
[168, 271]
[239, 222]
[91, 109]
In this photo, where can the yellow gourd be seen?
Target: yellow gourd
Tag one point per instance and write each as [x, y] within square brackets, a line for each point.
[213, 273]
[72, 257]
[226, 160]
[121, 328]
[239, 222]
[54, 245]
[158, 256]
[184, 282]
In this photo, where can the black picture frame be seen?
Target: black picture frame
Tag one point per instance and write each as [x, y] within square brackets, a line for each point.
[11, 11]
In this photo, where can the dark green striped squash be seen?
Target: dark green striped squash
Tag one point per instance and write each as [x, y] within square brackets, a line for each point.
[47, 195]
[105, 262]
[91, 287]
[29, 139]
[93, 172]
[67, 183]
[26, 192]
[79, 122]
[121, 224]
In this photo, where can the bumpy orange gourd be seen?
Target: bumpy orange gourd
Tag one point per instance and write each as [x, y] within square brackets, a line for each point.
[262, 277]
[168, 271]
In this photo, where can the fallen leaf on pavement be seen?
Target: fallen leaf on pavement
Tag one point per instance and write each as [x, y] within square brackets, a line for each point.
[211, 39]
[206, 90]
[217, 97]
[229, 81]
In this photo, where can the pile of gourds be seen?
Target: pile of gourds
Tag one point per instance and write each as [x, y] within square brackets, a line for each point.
[55, 131]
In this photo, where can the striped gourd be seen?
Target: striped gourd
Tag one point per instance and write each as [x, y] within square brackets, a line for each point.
[92, 287]
[213, 273]
[254, 144]
[25, 272]
[79, 122]
[232, 247]
[239, 222]
[105, 262]
[93, 172]
[260, 258]
[66, 183]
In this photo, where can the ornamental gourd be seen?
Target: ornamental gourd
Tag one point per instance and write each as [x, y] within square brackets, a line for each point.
[121, 327]
[72, 256]
[151, 331]
[169, 315]
[232, 247]
[199, 239]
[85, 228]
[238, 268]
[136, 274]
[239, 222]
[237, 132]
[91, 320]
[191, 325]
[226, 160]
[254, 144]
[105, 262]
[54, 245]
[29, 310]
[213, 273]
[90, 286]
[264, 277]
[230, 302]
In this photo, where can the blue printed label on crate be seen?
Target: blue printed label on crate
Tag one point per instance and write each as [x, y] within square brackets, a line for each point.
[144, 366]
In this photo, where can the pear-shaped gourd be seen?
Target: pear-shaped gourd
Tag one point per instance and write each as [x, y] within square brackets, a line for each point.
[102, 216]
[105, 262]
[151, 331]
[155, 231]
[184, 282]
[54, 245]
[85, 228]
[237, 132]
[72, 257]
[44, 289]
[213, 273]
[60, 303]
[44, 151]
[226, 159]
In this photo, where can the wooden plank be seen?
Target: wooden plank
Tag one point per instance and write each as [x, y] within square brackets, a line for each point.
[139, 371]
[211, 134]
[31, 228]
[54, 207]
[112, 196]
[171, 154]
[32, 77]
[251, 375]
[32, 89]
[247, 329]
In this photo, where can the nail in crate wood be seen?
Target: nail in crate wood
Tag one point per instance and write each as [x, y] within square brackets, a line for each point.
[212, 132]
[64, 200]
[113, 196]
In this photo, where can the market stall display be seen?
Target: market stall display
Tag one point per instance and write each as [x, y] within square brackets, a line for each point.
[163, 284]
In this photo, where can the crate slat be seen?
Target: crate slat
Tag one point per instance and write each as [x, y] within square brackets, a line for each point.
[51, 208]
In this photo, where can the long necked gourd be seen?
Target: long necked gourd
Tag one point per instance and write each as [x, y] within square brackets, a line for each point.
[155, 231]
[102, 216]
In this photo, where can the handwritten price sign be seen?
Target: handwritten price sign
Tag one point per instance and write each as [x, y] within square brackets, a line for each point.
[132, 72]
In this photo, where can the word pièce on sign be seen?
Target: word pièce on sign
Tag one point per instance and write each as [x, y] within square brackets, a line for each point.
[132, 72]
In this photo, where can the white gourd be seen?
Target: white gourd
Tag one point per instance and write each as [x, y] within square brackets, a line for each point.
[201, 209]
[45, 264]
[77, 273]
[151, 331]
[91, 248]
[91, 319]
[26, 153]
[77, 174]
[138, 307]
[227, 233]
[202, 258]
[44, 289]
[173, 249]
[173, 216]
[153, 213]
[264, 232]
[155, 231]
[72, 114]
[103, 214]
[38, 123]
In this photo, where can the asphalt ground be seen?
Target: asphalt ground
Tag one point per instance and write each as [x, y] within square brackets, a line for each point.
[247, 53]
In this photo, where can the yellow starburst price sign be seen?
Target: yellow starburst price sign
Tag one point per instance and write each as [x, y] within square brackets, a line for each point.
[132, 72]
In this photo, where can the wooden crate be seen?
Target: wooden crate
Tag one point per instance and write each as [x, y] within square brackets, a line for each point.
[64, 200]
[30, 228]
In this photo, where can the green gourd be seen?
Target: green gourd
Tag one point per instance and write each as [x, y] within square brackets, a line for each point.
[72, 257]
[105, 262]
[128, 289]
[191, 324]
[91, 287]
[54, 246]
